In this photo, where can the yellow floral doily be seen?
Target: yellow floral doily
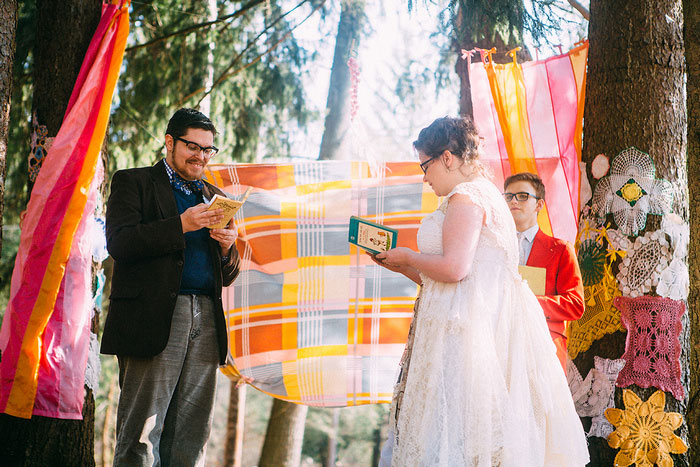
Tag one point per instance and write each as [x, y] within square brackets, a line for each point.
[644, 432]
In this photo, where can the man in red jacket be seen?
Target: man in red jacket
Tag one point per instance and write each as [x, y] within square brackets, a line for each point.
[563, 298]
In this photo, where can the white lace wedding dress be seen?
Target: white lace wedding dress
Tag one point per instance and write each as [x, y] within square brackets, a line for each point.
[485, 387]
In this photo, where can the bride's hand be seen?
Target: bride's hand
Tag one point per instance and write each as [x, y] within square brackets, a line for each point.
[381, 262]
[394, 259]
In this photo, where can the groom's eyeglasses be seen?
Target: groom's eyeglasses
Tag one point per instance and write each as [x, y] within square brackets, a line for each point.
[194, 148]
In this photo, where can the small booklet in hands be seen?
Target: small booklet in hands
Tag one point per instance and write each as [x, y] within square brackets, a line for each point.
[230, 207]
[370, 236]
[536, 278]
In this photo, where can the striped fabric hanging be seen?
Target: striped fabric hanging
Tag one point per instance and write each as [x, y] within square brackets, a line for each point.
[531, 119]
[45, 331]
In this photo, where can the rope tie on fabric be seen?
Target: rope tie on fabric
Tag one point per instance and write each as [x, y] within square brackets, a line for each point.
[514, 54]
[486, 55]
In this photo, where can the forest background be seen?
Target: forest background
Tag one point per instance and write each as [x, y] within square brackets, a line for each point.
[274, 78]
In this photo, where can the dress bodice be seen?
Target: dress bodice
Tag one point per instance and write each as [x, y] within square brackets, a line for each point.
[498, 235]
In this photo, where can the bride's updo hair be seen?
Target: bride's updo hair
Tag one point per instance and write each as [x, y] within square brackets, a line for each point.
[457, 135]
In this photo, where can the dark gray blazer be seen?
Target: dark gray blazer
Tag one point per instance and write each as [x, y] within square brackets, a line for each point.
[144, 236]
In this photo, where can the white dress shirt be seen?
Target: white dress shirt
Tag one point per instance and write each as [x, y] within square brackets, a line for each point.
[525, 239]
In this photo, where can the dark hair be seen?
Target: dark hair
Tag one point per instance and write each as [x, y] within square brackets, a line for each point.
[457, 135]
[184, 119]
[531, 178]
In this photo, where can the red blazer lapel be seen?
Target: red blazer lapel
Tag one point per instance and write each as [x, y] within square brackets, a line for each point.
[542, 250]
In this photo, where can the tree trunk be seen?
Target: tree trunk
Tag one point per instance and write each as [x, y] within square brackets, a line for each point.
[333, 437]
[233, 447]
[635, 96]
[337, 120]
[377, 445]
[49, 442]
[691, 21]
[487, 38]
[63, 33]
[62, 38]
[8, 28]
[284, 436]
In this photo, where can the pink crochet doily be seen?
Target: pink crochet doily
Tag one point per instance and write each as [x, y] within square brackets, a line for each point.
[652, 349]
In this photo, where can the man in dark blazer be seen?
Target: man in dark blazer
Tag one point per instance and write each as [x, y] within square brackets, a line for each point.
[563, 298]
[166, 322]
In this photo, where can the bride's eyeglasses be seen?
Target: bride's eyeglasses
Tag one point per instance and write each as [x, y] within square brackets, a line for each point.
[424, 165]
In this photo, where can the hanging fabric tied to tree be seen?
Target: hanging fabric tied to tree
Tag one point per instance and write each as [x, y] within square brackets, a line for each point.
[45, 331]
[530, 117]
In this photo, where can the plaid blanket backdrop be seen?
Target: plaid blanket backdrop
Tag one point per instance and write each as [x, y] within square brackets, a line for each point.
[310, 318]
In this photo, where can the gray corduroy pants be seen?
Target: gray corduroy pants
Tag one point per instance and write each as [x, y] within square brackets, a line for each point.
[166, 402]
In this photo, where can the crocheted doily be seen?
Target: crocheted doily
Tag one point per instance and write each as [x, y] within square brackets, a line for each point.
[600, 317]
[674, 281]
[652, 349]
[644, 432]
[596, 254]
[641, 268]
[600, 426]
[591, 395]
[630, 192]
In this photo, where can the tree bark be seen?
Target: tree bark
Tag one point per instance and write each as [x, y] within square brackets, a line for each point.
[333, 437]
[49, 442]
[63, 33]
[486, 38]
[8, 28]
[691, 22]
[635, 96]
[64, 30]
[337, 120]
[284, 436]
[233, 447]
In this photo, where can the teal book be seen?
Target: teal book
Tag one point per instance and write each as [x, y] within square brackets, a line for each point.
[370, 236]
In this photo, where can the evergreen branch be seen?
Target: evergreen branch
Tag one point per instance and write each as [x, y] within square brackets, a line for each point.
[227, 73]
[195, 27]
[238, 57]
[581, 9]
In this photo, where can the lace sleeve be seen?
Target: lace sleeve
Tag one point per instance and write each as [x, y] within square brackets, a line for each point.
[474, 195]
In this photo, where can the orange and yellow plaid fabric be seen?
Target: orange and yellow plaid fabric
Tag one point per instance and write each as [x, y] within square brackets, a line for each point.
[310, 318]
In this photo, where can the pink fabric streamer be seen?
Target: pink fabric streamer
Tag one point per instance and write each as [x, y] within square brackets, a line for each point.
[554, 90]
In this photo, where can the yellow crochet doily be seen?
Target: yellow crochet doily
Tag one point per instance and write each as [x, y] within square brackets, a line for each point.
[644, 432]
[600, 316]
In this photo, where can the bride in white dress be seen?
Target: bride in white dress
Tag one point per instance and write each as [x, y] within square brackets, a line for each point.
[484, 387]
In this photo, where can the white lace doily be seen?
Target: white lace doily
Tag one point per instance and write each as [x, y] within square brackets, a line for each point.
[679, 233]
[675, 281]
[619, 241]
[93, 367]
[611, 368]
[630, 192]
[591, 395]
[641, 268]
[588, 225]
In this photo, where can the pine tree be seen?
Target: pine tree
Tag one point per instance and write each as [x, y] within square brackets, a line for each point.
[691, 22]
[635, 97]
[42, 440]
